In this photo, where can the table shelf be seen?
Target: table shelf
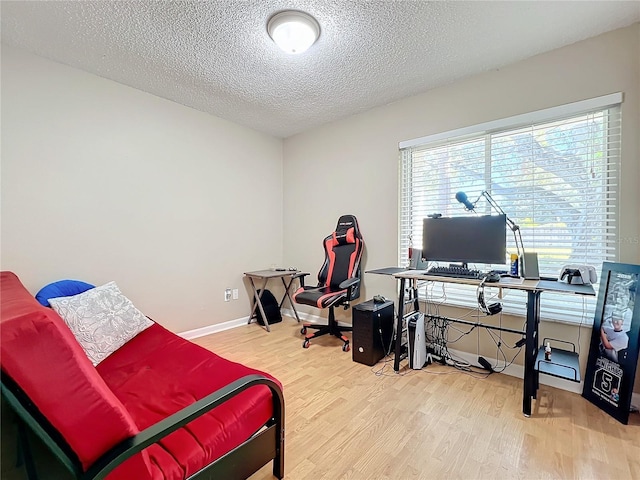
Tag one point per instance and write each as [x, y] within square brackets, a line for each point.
[563, 364]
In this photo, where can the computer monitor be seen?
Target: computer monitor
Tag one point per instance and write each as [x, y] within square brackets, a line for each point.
[478, 239]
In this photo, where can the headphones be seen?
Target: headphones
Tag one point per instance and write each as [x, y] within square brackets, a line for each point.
[490, 309]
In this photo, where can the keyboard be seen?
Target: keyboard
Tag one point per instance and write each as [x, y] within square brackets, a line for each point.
[455, 271]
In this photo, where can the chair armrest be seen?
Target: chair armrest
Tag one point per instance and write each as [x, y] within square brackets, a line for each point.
[131, 446]
[300, 275]
[349, 282]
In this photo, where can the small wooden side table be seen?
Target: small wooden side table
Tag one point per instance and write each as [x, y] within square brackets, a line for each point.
[265, 276]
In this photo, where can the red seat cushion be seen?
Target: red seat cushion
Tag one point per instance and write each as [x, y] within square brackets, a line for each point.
[158, 373]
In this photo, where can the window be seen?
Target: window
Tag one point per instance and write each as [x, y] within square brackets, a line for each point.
[554, 173]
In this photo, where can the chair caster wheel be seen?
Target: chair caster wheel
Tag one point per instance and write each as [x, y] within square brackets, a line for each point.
[303, 331]
[346, 347]
[305, 344]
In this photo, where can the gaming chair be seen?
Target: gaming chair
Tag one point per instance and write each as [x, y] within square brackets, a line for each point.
[338, 279]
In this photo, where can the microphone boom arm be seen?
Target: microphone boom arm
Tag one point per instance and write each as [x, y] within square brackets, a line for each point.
[510, 223]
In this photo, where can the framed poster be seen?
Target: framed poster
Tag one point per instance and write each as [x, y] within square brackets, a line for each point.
[613, 353]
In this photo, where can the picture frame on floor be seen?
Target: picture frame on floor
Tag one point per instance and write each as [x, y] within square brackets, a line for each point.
[615, 341]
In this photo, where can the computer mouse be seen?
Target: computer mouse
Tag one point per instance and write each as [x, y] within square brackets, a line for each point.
[492, 277]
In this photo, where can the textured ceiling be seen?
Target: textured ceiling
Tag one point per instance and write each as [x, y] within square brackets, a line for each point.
[216, 56]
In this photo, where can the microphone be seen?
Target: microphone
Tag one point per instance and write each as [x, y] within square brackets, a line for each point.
[463, 199]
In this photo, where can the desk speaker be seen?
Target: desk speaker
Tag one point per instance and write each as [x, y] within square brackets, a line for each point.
[372, 331]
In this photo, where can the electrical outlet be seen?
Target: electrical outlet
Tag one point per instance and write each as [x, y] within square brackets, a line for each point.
[235, 293]
[227, 295]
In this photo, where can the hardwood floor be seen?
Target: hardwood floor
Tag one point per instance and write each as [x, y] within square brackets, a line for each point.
[345, 420]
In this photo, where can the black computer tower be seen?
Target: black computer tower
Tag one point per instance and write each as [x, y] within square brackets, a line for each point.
[372, 331]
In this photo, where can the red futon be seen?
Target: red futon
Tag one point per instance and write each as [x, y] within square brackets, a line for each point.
[159, 407]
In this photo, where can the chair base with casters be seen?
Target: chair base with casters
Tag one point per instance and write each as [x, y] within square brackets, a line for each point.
[332, 328]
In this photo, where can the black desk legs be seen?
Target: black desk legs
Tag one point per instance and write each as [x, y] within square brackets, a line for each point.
[531, 351]
[403, 299]
[398, 349]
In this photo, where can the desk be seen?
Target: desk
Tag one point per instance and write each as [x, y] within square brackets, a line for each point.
[534, 289]
[266, 275]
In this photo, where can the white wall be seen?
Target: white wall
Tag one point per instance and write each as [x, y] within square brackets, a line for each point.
[103, 182]
[350, 166]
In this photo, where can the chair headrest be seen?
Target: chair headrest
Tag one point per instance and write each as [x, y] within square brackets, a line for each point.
[347, 230]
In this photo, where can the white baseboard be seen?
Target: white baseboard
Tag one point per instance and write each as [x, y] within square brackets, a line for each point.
[303, 316]
[239, 322]
[218, 327]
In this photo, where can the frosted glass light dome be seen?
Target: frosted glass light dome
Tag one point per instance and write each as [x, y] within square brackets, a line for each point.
[293, 31]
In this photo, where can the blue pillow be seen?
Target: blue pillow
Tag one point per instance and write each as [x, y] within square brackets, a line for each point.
[61, 288]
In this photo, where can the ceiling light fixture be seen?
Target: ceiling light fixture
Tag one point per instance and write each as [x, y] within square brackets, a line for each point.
[293, 31]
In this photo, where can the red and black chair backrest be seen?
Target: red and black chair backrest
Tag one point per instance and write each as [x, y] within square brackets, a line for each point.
[343, 251]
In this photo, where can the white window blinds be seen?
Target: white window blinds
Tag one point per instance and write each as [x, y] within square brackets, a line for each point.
[556, 177]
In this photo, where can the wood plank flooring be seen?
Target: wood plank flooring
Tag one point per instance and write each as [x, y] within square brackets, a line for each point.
[345, 420]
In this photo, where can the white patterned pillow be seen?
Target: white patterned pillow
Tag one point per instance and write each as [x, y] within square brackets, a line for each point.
[102, 319]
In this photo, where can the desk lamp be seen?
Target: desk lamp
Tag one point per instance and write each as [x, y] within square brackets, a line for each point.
[471, 206]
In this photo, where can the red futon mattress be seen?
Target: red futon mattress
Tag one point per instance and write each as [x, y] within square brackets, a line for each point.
[158, 373]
